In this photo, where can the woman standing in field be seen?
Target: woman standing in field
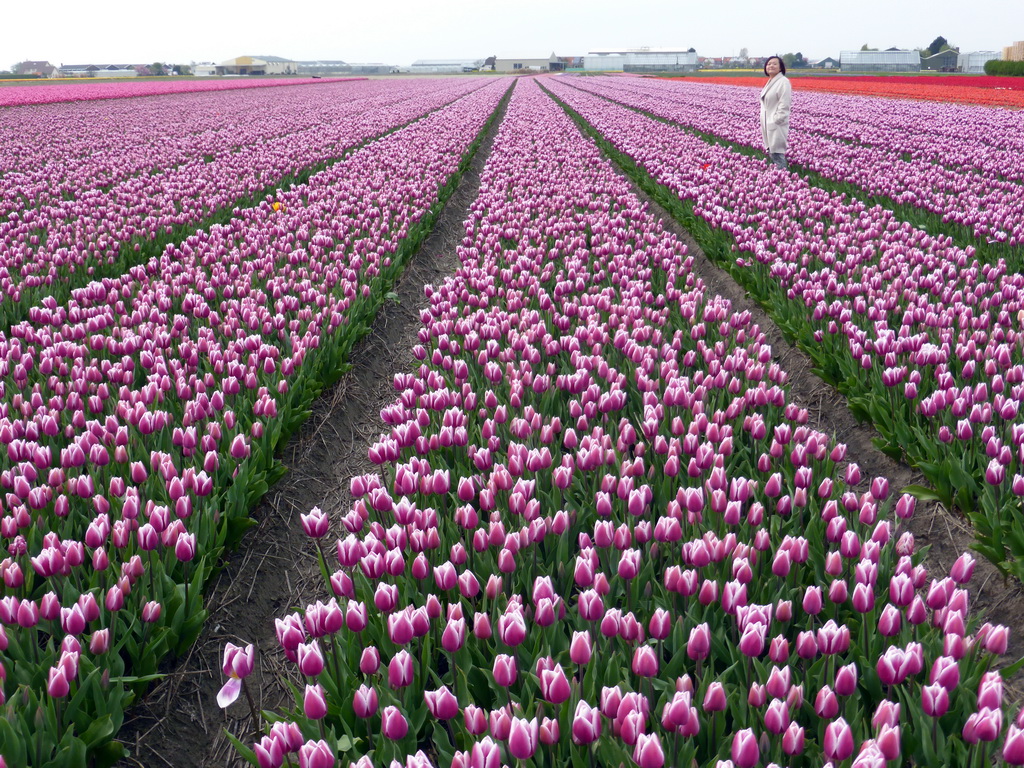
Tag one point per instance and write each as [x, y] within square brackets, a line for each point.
[776, 98]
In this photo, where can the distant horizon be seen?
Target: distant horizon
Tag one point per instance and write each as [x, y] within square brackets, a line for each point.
[403, 31]
[347, 62]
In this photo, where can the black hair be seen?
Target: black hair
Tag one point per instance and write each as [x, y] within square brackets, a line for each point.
[782, 65]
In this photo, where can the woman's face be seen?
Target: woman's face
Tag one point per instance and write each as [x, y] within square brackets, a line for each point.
[772, 67]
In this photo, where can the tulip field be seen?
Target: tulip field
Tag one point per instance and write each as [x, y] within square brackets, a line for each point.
[20, 95]
[600, 530]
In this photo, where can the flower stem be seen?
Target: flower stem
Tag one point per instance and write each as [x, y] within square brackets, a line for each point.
[253, 710]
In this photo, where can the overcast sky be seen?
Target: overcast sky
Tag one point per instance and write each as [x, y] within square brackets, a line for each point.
[401, 31]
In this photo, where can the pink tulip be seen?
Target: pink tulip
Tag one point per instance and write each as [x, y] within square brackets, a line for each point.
[57, 685]
[238, 664]
[549, 731]
[580, 649]
[648, 752]
[745, 752]
[505, 671]
[793, 739]
[699, 645]
[365, 702]
[316, 754]
[314, 703]
[369, 661]
[1013, 746]
[838, 744]
[714, 698]
[776, 717]
[523, 738]
[554, 685]
[475, 719]
[586, 724]
[310, 658]
[393, 724]
[400, 670]
[846, 680]
[485, 754]
[825, 704]
[645, 662]
[441, 703]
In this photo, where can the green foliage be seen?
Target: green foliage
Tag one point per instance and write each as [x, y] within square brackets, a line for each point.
[1011, 68]
[937, 45]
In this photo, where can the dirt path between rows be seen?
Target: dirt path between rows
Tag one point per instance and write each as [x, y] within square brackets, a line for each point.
[274, 570]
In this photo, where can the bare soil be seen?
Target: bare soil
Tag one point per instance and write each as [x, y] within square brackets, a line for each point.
[179, 724]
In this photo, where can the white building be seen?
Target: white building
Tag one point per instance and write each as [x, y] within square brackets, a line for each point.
[97, 70]
[974, 62]
[643, 59]
[442, 66]
[606, 62]
[893, 60]
[323, 67]
[550, 63]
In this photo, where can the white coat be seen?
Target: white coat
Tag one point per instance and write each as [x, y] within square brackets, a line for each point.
[776, 99]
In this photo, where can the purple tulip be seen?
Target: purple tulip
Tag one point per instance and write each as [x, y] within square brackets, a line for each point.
[441, 703]
[365, 702]
[238, 664]
[745, 752]
[523, 738]
[393, 724]
[838, 743]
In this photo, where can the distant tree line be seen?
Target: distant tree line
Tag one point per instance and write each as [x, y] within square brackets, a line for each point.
[1012, 68]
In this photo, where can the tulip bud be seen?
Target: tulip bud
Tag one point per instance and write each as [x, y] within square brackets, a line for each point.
[745, 751]
[393, 724]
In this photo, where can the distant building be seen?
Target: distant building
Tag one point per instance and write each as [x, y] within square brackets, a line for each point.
[322, 68]
[98, 70]
[35, 69]
[641, 60]
[943, 61]
[371, 68]
[827, 63]
[893, 60]
[442, 66]
[729, 62]
[973, 63]
[609, 62]
[1014, 52]
[206, 69]
[258, 65]
[551, 64]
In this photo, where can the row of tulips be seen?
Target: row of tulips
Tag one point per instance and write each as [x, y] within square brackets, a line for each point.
[63, 151]
[923, 339]
[968, 186]
[23, 95]
[160, 192]
[140, 422]
[600, 533]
